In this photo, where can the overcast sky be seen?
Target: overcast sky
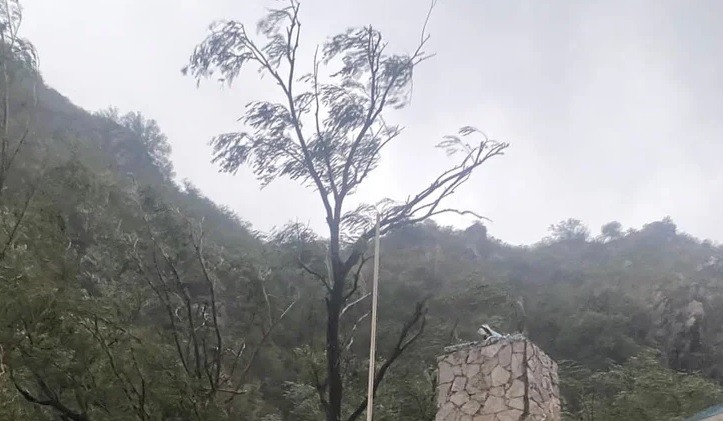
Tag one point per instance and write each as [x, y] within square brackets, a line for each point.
[614, 109]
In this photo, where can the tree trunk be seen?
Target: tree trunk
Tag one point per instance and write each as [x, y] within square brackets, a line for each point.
[333, 355]
[334, 306]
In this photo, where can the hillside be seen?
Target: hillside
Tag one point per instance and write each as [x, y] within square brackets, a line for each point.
[593, 302]
[124, 295]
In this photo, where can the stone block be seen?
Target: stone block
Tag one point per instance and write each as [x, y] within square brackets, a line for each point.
[459, 398]
[445, 374]
[459, 383]
[505, 356]
[510, 415]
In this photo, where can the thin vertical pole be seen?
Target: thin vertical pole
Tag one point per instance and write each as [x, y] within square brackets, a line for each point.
[373, 345]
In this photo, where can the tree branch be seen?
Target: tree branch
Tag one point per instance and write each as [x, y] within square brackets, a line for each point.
[51, 401]
[353, 303]
[19, 220]
[357, 275]
[265, 335]
[374, 112]
[198, 247]
[316, 274]
[350, 341]
[406, 338]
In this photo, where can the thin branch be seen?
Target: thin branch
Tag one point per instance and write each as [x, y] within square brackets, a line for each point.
[126, 384]
[316, 274]
[357, 276]
[405, 339]
[319, 133]
[163, 292]
[19, 220]
[350, 341]
[198, 247]
[14, 21]
[237, 358]
[424, 204]
[353, 303]
[266, 334]
[373, 113]
[305, 266]
[367, 168]
[51, 401]
[142, 396]
[186, 298]
[287, 88]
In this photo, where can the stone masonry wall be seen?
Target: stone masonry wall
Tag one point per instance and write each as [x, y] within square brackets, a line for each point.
[509, 380]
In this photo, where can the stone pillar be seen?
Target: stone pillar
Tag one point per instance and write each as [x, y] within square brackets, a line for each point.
[508, 380]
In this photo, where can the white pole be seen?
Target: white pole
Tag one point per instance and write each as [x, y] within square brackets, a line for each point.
[373, 345]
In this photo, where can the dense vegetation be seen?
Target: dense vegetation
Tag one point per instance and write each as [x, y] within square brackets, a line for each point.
[124, 295]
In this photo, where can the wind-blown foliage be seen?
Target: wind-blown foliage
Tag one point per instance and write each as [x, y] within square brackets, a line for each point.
[18, 65]
[124, 296]
[329, 133]
[148, 133]
[640, 389]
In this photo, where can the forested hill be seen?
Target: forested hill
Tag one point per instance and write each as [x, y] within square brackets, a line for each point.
[125, 296]
[598, 305]
[127, 148]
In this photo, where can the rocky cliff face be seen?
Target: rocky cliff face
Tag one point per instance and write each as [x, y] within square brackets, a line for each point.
[509, 380]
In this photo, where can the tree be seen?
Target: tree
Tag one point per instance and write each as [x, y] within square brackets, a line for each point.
[102, 321]
[660, 231]
[612, 231]
[18, 62]
[640, 389]
[18, 59]
[149, 134]
[153, 139]
[328, 133]
[194, 291]
[477, 231]
[569, 230]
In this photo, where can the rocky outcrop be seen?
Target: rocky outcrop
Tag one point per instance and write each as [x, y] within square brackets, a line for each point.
[508, 380]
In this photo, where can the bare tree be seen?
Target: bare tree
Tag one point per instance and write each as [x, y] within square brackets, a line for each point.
[329, 133]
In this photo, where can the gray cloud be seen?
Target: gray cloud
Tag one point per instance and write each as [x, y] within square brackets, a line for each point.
[613, 109]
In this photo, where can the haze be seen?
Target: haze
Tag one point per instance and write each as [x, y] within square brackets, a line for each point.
[613, 109]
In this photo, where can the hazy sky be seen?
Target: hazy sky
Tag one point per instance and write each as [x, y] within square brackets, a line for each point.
[614, 109]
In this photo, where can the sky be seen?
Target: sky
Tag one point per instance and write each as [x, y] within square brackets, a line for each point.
[614, 110]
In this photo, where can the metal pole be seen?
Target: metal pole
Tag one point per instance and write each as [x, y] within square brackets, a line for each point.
[373, 344]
